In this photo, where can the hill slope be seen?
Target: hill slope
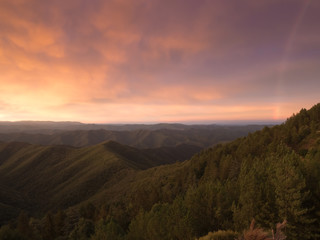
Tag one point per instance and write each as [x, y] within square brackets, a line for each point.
[270, 175]
[39, 178]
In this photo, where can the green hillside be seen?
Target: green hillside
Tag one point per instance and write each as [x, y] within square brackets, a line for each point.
[271, 175]
[56, 176]
[113, 192]
[41, 178]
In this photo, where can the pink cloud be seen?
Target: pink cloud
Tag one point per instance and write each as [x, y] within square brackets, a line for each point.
[162, 60]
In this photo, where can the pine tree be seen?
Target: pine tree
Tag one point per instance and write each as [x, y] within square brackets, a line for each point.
[59, 222]
[200, 202]
[249, 198]
[138, 226]
[23, 225]
[48, 230]
[291, 195]
[108, 229]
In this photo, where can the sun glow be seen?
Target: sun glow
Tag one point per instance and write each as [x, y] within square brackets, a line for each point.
[119, 62]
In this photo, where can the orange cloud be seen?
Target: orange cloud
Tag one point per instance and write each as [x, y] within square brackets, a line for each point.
[146, 60]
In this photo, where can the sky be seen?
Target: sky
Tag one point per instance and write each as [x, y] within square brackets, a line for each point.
[149, 61]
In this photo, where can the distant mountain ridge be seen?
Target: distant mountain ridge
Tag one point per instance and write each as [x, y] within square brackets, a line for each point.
[149, 136]
[49, 127]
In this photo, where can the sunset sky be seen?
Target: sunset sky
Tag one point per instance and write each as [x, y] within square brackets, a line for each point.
[148, 61]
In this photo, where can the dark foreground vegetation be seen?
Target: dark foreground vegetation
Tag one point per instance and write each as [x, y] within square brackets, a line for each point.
[272, 176]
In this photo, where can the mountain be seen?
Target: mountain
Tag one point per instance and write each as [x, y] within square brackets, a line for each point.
[50, 127]
[38, 126]
[39, 178]
[149, 136]
[112, 191]
[270, 176]
[26, 169]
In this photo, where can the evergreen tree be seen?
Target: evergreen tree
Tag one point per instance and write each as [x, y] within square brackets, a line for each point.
[59, 222]
[48, 229]
[291, 195]
[246, 208]
[200, 202]
[88, 211]
[23, 225]
[108, 230]
[7, 233]
[180, 220]
[83, 231]
[138, 227]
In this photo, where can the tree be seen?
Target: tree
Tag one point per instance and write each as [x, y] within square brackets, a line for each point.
[108, 230]
[59, 222]
[83, 230]
[88, 211]
[138, 227]
[180, 219]
[23, 225]
[250, 195]
[48, 230]
[291, 195]
[7, 233]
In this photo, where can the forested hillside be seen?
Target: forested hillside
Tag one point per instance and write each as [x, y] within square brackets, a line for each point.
[271, 175]
[41, 178]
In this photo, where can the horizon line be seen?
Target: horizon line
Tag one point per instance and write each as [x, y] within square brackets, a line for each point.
[204, 122]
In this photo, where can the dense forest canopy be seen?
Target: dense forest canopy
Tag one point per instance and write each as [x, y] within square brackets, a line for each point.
[272, 175]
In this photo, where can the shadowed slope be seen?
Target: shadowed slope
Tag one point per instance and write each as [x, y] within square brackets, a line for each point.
[39, 178]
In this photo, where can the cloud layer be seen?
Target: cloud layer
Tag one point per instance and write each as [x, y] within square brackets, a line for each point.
[157, 61]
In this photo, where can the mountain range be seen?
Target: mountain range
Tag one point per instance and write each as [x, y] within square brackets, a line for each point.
[141, 136]
[39, 172]
[176, 189]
